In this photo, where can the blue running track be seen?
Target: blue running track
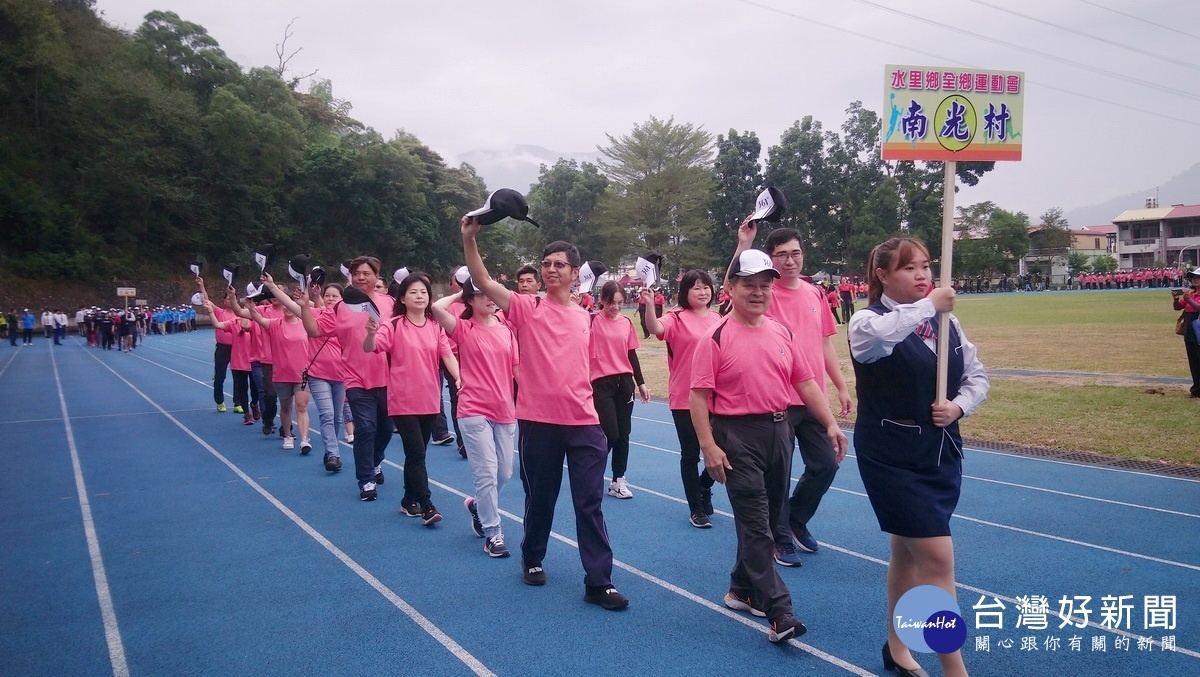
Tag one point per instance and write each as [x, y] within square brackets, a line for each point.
[144, 533]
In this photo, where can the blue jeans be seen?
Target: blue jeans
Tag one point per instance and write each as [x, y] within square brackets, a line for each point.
[490, 450]
[372, 430]
[329, 397]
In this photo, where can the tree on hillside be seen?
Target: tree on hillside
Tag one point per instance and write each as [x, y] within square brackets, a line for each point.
[565, 201]
[184, 54]
[738, 178]
[661, 187]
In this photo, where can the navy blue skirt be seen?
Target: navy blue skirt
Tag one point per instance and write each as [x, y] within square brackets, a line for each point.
[913, 476]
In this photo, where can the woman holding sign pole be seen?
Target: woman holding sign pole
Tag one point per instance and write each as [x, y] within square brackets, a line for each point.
[907, 441]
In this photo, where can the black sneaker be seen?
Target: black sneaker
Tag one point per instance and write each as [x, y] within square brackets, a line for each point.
[476, 525]
[429, 515]
[606, 596]
[268, 428]
[786, 627]
[462, 452]
[378, 474]
[700, 521]
[495, 547]
[706, 501]
[532, 574]
[332, 463]
[447, 439]
[367, 492]
[410, 508]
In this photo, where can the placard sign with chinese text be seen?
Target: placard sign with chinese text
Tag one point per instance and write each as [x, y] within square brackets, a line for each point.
[963, 114]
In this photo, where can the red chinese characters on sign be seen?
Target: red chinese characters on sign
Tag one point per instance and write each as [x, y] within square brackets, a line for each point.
[955, 81]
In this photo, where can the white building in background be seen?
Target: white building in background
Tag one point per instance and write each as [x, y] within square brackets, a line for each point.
[1158, 234]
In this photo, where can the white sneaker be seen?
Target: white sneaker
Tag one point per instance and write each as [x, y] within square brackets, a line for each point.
[289, 443]
[619, 489]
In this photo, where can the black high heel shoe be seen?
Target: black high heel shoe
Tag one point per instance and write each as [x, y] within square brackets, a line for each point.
[889, 664]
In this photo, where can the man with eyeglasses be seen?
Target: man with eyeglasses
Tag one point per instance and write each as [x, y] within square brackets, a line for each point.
[555, 414]
[800, 306]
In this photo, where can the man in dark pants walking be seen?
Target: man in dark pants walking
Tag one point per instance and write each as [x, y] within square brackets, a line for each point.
[556, 414]
[802, 308]
[744, 372]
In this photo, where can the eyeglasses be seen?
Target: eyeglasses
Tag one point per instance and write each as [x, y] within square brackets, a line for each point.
[784, 256]
[557, 265]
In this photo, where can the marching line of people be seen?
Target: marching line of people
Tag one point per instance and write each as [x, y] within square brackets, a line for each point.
[540, 382]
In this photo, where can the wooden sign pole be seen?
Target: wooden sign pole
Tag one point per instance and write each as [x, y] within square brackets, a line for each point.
[947, 260]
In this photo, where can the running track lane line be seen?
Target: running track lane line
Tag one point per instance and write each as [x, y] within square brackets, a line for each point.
[112, 631]
[1012, 455]
[724, 611]
[670, 587]
[1028, 532]
[829, 658]
[10, 361]
[981, 591]
[1009, 484]
[442, 638]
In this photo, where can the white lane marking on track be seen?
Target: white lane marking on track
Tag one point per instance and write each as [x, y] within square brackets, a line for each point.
[82, 418]
[1009, 484]
[852, 553]
[1052, 537]
[417, 617]
[637, 572]
[184, 357]
[1016, 456]
[670, 587]
[10, 361]
[964, 586]
[112, 631]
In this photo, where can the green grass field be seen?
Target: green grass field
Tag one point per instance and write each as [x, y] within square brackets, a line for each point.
[1116, 333]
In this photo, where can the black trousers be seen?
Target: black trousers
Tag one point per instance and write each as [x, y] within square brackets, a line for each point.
[820, 467]
[414, 433]
[689, 450]
[544, 447]
[1193, 355]
[241, 389]
[221, 355]
[758, 449]
[440, 428]
[613, 397]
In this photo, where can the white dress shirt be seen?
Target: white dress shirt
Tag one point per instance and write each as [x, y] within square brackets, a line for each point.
[873, 336]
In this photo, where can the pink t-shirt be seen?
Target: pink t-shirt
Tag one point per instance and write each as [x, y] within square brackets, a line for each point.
[289, 348]
[360, 368]
[326, 355]
[486, 357]
[554, 383]
[456, 309]
[611, 341]
[414, 351]
[750, 370]
[682, 329]
[239, 358]
[223, 337]
[805, 311]
[260, 345]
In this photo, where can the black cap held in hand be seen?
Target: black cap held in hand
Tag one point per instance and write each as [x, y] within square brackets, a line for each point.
[504, 203]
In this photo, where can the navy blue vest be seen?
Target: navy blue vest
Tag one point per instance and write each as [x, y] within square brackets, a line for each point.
[895, 396]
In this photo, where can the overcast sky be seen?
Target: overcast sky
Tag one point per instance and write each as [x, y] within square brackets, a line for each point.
[472, 74]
